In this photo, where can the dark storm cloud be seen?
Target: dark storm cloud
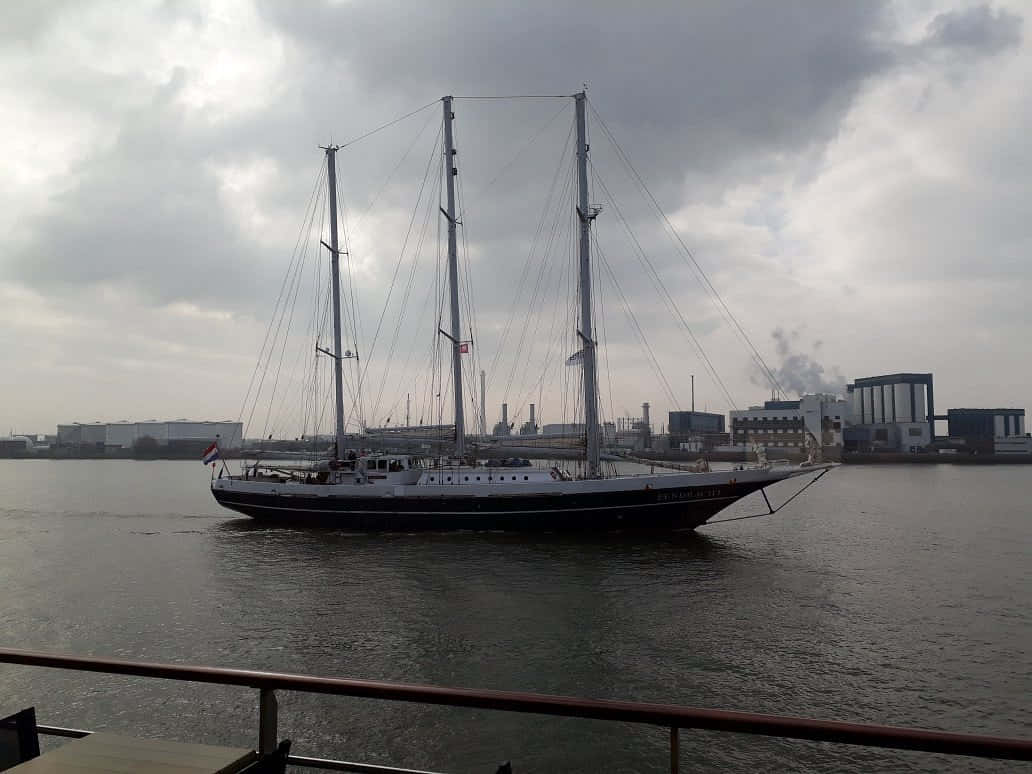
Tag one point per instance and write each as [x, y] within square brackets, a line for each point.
[696, 85]
[980, 28]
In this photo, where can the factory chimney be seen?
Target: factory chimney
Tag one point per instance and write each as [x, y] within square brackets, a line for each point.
[646, 427]
[483, 405]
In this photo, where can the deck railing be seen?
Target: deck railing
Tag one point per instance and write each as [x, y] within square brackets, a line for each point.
[671, 717]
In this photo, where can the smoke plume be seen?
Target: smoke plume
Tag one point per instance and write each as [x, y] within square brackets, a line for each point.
[800, 372]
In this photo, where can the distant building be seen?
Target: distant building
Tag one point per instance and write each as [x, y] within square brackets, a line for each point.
[982, 429]
[180, 433]
[530, 426]
[788, 423]
[688, 422]
[696, 430]
[895, 412]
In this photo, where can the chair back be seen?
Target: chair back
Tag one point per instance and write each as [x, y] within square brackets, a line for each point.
[19, 741]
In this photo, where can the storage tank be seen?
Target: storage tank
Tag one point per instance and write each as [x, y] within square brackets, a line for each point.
[903, 407]
[920, 413]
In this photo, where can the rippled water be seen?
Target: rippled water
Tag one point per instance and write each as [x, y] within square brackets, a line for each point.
[897, 595]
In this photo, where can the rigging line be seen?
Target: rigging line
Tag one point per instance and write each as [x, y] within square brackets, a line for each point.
[466, 291]
[408, 151]
[356, 322]
[535, 293]
[419, 320]
[401, 256]
[280, 310]
[268, 330]
[399, 119]
[531, 141]
[295, 288]
[602, 319]
[605, 353]
[654, 361]
[546, 362]
[283, 414]
[707, 284]
[660, 286]
[556, 222]
[403, 305]
[560, 168]
[519, 96]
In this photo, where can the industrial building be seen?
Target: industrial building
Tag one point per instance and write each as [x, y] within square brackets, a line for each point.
[689, 422]
[503, 428]
[178, 434]
[983, 430]
[696, 430]
[895, 412]
[787, 423]
[530, 426]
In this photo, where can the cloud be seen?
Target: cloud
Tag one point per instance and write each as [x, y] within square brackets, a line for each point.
[858, 169]
[980, 27]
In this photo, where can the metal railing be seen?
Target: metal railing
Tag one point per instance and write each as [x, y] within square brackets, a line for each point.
[672, 717]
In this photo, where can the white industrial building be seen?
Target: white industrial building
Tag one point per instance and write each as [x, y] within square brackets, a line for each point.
[124, 435]
[895, 412]
[788, 423]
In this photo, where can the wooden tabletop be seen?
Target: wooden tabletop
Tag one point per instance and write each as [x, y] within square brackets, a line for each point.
[110, 752]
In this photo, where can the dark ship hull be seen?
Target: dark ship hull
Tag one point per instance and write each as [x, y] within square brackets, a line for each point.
[638, 509]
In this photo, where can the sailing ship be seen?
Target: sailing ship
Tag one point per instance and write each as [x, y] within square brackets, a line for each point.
[406, 492]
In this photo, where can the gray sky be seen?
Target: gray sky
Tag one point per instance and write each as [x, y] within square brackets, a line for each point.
[851, 176]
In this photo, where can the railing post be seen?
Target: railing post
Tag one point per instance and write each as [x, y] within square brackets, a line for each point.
[267, 721]
[675, 750]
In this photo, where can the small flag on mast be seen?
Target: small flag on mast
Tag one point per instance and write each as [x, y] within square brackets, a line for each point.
[463, 347]
[211, 454]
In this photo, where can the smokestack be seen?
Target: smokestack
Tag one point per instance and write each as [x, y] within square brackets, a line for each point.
[532, 414]
[646, 427]
[505, 414]
[483, 406]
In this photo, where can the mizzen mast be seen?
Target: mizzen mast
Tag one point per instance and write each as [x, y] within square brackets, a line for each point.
[453, 278]
[587, 214]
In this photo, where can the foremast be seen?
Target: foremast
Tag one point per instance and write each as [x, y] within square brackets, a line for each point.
[587, 214]
[453, 278]
[337, 355]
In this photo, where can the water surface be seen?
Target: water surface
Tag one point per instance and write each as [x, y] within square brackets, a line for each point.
[896, 595]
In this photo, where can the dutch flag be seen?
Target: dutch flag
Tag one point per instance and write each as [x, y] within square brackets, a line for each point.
[211, 453]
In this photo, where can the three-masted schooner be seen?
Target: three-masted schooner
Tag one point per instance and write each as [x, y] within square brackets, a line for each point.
[405, 492]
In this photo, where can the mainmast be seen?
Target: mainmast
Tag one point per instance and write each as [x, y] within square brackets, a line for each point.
[586, 215]
[453, 278]
[337, 354]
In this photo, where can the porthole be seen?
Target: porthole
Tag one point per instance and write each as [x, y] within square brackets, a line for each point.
[467, 478]
[431, 478]
[449, 478]
[514, 478]
[489, 478]
[526, 478]
[478, 478]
